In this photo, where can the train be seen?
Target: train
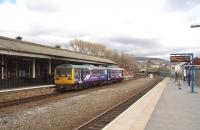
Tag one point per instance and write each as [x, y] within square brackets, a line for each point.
[74, 77]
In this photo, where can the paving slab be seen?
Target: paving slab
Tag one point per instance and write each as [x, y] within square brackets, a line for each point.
[137, 115]
[177, 109]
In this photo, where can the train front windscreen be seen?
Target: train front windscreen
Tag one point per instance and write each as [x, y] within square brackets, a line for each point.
[63, 72]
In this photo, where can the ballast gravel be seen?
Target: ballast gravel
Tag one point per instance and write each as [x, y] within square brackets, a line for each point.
[70, 112]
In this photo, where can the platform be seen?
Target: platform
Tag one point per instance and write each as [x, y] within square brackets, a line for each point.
[176, 109]
[165, 107]
[26, 88]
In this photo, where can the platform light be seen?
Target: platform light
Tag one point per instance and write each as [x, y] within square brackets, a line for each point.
[195, 26]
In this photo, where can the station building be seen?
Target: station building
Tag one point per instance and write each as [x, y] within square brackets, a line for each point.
[25, 63]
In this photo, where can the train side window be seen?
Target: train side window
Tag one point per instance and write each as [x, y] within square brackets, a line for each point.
[120, 73]
[112, 73]
[103, 72]
[95, 71]
[85, 72]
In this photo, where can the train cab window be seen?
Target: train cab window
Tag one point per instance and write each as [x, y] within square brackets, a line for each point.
[64, 72]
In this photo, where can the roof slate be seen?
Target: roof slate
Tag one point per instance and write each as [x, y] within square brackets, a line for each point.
[29, 47]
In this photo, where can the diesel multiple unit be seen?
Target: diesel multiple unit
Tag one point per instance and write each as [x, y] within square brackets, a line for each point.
[68, 76]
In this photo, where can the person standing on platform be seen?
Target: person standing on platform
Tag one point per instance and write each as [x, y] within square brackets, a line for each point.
[178, 80]
[189, 78]
[184, 74]
[176, 76]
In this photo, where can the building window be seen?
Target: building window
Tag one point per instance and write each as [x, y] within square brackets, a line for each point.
[11, 69]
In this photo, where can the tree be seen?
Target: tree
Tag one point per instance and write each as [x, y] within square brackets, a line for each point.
[123, 60]
[108, 54]
[57, 46]
[19, 38]
[86, 47]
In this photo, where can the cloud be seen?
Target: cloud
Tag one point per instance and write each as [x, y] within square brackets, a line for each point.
[189, 8]
[43, 30]
[133, 45]
[182, 5]
[145, 51]
[44, 6]
[141, 42]
[155, 28]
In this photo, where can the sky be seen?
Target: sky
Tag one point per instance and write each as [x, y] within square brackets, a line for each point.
[149, 28]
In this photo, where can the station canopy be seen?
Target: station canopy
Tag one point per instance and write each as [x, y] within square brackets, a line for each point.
[16, 47]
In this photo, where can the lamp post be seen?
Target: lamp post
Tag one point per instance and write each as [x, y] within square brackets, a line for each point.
[195, 26]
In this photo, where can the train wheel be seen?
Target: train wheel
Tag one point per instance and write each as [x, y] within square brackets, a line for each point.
[75, 86]
[80, 87]
[59, 89]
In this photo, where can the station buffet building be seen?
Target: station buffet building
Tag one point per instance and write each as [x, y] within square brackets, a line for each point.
[25, 63]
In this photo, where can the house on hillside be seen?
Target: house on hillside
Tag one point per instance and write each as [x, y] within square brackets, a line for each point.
[152, 65]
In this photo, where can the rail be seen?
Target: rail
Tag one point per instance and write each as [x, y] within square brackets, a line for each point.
[25, 99]
[100, 121]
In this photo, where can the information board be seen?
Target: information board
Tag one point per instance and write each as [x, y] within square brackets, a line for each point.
[180, 58]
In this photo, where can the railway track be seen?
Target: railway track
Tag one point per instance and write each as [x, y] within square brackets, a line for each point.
[39, 97]
[25, 100]
[108, 116]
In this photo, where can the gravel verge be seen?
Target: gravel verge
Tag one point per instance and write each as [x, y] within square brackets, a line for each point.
[72, 111]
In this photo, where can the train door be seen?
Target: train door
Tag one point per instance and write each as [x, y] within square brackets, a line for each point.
[77, 75]
[108, 71]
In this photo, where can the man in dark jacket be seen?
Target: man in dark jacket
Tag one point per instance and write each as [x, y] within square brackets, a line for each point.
[189, 79]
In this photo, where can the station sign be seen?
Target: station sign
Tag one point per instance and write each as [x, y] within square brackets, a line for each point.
[180, 58]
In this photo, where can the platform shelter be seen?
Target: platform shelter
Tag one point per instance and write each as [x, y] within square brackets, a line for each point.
[25, 63]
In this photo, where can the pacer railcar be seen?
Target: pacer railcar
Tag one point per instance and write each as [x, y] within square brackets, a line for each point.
[68, 76]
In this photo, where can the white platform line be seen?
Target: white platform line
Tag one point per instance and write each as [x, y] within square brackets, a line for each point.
[137, 115]
[26, 88]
